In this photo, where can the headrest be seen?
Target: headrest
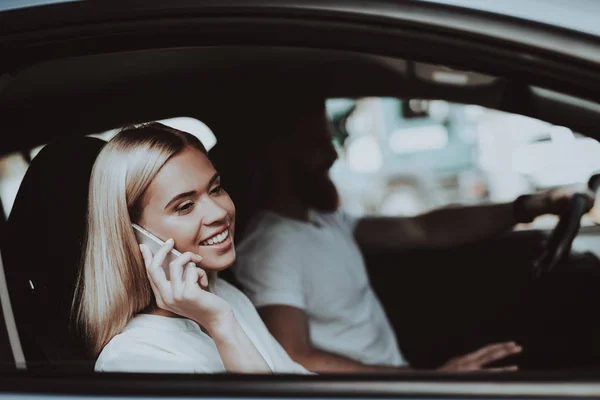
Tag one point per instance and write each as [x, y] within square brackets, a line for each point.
[41, 247]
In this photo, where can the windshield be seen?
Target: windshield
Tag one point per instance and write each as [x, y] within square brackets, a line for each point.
[7, 5]
[577, 15]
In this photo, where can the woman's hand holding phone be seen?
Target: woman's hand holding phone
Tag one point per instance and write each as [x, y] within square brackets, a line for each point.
[185, 293]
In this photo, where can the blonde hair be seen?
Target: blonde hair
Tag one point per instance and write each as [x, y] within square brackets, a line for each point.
[113, 285]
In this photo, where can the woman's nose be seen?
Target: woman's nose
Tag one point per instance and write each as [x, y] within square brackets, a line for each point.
[215, 213]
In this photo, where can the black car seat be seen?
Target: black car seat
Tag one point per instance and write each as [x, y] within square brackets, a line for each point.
[42, 249]
[235, 171]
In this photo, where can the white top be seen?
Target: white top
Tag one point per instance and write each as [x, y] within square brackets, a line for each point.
[154, 343]
[318, 268]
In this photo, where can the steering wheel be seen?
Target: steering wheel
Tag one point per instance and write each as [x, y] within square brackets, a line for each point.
[558, 245]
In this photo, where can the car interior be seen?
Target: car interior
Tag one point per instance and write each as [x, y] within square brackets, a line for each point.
[525, 286]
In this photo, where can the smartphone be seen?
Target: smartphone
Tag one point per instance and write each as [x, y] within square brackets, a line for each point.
[154, 243]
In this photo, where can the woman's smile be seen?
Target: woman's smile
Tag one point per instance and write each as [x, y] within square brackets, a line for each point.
[217, 239]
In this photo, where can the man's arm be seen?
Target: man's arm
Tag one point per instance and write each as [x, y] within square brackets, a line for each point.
[454, 226]
[289, 326]
[445, 227]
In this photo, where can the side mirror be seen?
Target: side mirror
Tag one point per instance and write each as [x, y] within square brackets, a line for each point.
[415, 108]
[594, 183]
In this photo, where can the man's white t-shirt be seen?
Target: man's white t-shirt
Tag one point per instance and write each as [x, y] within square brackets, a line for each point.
[154, 343]
[318, 268]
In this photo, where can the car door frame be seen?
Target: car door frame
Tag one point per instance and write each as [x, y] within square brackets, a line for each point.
[546, 56]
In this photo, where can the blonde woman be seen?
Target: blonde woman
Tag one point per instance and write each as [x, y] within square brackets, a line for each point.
[137, 320]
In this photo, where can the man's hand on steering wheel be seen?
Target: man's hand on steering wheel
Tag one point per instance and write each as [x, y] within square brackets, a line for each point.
[552, 201]
[570, 203]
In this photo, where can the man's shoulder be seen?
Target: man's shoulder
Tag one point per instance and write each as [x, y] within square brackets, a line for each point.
[340, 219]
[268, 228]
[269, 243]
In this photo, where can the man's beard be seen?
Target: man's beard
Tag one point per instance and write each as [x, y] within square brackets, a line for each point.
[316, 190]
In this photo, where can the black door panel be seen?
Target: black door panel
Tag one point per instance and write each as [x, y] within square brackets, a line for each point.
[445, 303]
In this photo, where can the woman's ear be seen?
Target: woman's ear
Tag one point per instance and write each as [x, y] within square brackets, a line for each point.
[136, 214]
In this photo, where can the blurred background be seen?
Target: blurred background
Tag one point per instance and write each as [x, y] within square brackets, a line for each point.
[403, 157]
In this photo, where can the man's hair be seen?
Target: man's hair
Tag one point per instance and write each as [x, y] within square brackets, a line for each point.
[272, 115]
[113, 285]
[289, 112]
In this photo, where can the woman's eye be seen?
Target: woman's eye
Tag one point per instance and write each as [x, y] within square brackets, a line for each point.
[185, 207]
[217, 190]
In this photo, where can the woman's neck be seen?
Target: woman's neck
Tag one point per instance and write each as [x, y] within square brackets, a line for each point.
[163, 313]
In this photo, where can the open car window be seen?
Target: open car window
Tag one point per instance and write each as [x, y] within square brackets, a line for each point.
[404, 157]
